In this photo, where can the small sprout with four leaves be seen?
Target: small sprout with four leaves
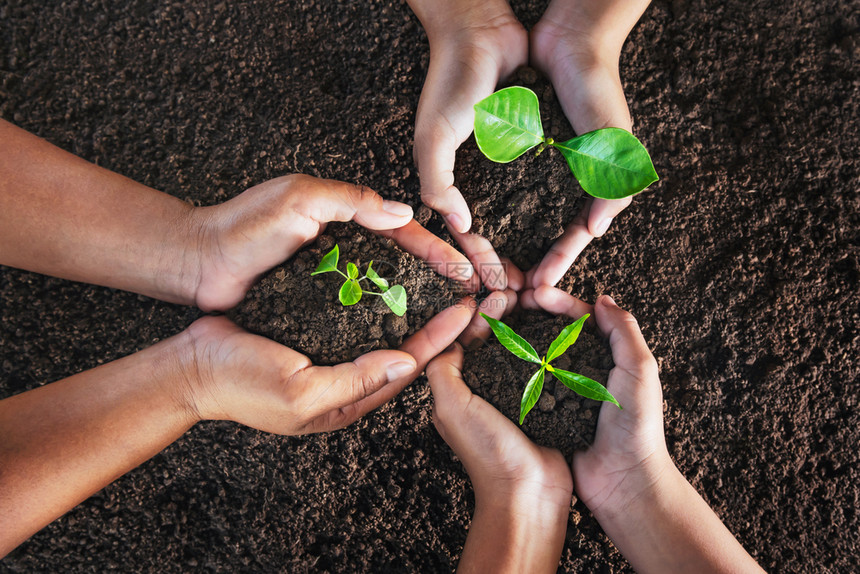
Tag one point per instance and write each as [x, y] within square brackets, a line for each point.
[350, 292]
[580, 384]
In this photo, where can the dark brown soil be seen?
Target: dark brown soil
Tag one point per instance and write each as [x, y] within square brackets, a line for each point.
[561, 419]
[304, 312]
[741, 265]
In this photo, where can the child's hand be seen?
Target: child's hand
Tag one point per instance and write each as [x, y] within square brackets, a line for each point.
[234, 375]
[629, 449]
[522, 491]
[626, 478]
[577, 44]
[473, 44]
[241, 239]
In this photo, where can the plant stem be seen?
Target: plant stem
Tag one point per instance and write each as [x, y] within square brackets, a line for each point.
[544, 143]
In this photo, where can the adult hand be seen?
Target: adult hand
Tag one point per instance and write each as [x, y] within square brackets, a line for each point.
[577, 44]
[522, 491]
[244, 237]
[473, 44]
[254, 381]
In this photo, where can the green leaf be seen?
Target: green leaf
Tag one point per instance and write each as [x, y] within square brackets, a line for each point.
[532, 393]
[512, 342]
[351, 271]
[377, 280]
[329, 262]
[609, 163]
[350, 292]
[565, 339]
[395, 298]
[586, 387]
[507, 124]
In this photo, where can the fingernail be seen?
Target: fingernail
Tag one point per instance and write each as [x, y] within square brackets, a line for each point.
[397, 370]
[609, 301]
[456, 222]
[602, 227]
[396, 208]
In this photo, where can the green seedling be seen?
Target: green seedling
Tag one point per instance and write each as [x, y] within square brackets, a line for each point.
[609, 163]
[580, 384]
[350, 292]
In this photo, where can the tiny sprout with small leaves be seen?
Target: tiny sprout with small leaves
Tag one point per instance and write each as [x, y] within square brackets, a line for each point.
[350, 292]
[609, 163]
[579, 384]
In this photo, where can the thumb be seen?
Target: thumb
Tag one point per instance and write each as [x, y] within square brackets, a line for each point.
[450, 392]
[435, 160]
[603, 211]
[331, 200]
[346, 385]
[629, 349]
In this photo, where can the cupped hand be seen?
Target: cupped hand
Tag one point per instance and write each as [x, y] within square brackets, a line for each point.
[472, 46]
[577, 44]
[629, 452]
[241, 239]
[235, 375]
[502, 462]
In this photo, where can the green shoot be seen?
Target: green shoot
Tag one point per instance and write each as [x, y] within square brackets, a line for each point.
[609, 163]
[351, 290]
[579, 384]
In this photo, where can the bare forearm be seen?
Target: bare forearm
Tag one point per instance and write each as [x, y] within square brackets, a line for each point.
[670, 528]
[63, 216]
[506, 536]
[63, 442]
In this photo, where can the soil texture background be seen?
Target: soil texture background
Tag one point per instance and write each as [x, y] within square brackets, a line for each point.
[741, 265]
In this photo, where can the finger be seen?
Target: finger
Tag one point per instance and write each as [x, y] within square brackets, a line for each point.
[603, 211]
[558, 302]
[512, 302]
[564, 251]
[484, 258]
[334, 388]
[516, 279]
[443, 121]
[326, 200]
[527, 300]
[494, 305]
[440, 256]
[450, 392]
[435, 150]
[444, 373]
[432, 339]
[629, 349]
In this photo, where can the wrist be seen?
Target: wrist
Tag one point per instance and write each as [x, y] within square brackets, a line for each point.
[560, 45]
[650, 485]
[516, 531]
[180, 261]
[543, 489]
[466, 22]
[182, 371]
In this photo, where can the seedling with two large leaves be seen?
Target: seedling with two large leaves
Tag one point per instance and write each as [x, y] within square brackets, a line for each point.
[351, 291]
[521, 348]
[609, 163]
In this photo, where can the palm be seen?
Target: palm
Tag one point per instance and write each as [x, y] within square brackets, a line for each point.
[624, 441]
